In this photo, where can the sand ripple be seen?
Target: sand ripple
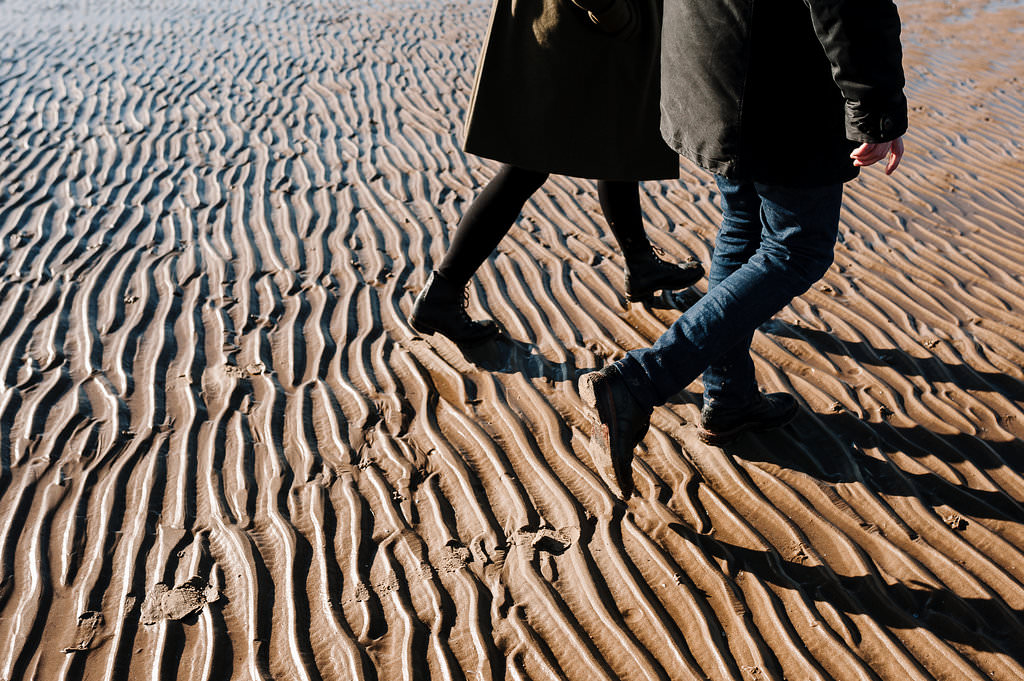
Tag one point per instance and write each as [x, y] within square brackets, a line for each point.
[225, 454]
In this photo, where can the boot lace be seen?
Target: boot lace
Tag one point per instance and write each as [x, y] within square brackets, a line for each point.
[463, 314]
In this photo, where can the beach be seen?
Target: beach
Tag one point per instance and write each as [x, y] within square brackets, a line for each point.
[225, 454]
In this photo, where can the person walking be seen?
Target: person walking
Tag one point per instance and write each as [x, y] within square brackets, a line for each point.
[783, 101]
[569, 88]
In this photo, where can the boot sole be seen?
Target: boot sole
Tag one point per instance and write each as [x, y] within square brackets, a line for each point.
[616, 470]
[426, 330]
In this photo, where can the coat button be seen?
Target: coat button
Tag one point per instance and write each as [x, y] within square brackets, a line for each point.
[887, 124]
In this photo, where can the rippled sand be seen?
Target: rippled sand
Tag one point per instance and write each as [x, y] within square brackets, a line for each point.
[224, 454]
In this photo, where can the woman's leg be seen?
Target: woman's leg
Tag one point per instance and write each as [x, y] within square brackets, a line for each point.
[646, 273]
[440, 307]
[487, 220]
[620, 203]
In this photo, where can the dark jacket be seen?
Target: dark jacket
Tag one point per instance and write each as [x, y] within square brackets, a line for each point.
[556, 93]
[781, 91]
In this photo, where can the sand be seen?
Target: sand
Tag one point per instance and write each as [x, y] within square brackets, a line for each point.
[224, 454]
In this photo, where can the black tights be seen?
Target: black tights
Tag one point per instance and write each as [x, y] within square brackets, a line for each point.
[491, 215]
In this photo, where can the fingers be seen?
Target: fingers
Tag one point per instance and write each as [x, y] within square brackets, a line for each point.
[895, 156]
[870, 153]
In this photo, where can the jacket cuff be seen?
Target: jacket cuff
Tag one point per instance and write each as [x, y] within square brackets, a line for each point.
[876, 124]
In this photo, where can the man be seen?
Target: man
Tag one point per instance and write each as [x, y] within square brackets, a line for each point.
[784, 101]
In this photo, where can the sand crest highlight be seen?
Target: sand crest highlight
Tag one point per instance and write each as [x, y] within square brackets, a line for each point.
[225, 455]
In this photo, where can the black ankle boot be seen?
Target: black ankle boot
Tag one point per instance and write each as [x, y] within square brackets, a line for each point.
[441, 308]
[722, 425]
[646, 273]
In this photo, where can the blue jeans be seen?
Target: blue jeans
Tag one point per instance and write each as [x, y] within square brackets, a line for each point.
[774, 243]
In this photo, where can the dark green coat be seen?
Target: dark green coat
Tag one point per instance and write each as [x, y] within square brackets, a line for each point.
[556, 93]
[780, 91]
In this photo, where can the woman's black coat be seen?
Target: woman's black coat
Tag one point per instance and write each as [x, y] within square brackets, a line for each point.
[780, 91]
[556, 93]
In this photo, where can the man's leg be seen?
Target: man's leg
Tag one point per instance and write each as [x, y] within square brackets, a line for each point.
[798, 235]
[799, 227]
[730, 379]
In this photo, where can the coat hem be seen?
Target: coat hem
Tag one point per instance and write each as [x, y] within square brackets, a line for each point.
[732, 169]
[618, 175]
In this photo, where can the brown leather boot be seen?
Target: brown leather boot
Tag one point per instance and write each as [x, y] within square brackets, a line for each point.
[619, 424]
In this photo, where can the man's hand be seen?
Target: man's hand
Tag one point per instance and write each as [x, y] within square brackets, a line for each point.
[867, 154]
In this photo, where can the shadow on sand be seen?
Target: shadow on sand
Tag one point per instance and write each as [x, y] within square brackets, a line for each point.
[981, 623]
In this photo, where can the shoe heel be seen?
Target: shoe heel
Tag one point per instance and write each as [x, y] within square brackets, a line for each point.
[643, 299]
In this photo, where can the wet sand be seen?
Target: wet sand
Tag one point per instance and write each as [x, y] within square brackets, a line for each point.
[224, 454]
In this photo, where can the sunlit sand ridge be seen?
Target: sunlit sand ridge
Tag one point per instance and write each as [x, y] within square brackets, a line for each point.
[224, 454]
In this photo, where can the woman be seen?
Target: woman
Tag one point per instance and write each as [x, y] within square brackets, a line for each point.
[569, 88]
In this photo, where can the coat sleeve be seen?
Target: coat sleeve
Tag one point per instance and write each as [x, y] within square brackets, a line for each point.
[862, 41]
